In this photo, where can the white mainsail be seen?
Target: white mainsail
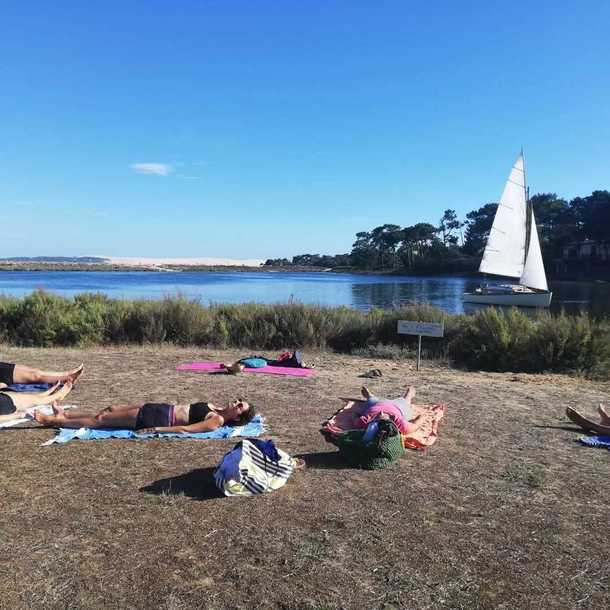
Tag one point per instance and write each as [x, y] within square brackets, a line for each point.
[505, 250]
[533, 273]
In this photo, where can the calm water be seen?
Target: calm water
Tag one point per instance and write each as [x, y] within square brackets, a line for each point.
[360, 291]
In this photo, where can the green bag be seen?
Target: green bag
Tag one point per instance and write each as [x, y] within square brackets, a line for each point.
[380, 452]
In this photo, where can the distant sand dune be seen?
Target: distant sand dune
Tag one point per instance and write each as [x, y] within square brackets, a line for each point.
[147, 262]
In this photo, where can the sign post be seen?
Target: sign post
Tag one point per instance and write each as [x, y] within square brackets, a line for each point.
[421, 329]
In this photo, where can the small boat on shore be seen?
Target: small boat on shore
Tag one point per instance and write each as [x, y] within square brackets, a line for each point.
[513, 250]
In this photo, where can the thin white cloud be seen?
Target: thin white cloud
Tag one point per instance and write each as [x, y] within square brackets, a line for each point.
[152, 169]
[182, 177]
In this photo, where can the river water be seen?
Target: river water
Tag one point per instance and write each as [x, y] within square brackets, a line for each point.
[353, 290]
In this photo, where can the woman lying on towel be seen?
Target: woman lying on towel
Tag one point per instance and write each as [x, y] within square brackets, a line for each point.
[603, 427]
[287, 359]
[364, 412]
[154, 417]
[19, 373]
[14, 404]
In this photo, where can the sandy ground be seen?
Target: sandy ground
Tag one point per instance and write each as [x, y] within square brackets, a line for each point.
[507, 510]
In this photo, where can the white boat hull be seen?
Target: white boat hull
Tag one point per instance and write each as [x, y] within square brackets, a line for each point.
[516, 299]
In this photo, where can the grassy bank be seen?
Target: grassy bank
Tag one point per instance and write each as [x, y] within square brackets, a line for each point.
[489, 340]
[504, 511]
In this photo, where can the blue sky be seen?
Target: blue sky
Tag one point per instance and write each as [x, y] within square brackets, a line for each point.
[261, 129]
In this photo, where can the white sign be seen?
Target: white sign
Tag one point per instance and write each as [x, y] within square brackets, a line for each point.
[425, 329]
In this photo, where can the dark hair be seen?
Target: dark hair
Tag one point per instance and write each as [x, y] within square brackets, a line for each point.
[243, 418]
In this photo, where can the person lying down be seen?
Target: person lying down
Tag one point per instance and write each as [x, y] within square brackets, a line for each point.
[154, 417]
[14, 405]
[287, 359]
[399, 410]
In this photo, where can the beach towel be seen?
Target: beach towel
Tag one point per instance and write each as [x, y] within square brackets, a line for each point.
[27, 387]
[595, 441]
[215, 367]
[428, 433]
[256, 427]
[348, 418]
[29, 415]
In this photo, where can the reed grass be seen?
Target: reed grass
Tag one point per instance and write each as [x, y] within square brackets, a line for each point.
[488, 340]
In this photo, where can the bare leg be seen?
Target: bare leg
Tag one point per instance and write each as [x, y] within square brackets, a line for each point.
[100, 414]
[26, 400]
[603, 414]
[587, 424]
[365, 392]
[28, 374]
[125, 418]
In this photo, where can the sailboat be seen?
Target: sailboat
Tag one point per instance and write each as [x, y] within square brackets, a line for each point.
[511, 252]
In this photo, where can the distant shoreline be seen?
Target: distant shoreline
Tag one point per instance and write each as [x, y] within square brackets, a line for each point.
[168, 268]
[124, 268]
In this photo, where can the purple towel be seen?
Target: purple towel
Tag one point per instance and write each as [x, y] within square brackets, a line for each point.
[215, 367]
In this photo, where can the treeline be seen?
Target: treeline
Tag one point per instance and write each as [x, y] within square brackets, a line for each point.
[454, 245]
[489, 340]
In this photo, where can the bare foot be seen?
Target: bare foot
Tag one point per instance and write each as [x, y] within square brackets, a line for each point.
[235, 368]
[74, 374]
[57, 410]
[365, 392]
[62, 392]
[603, 414]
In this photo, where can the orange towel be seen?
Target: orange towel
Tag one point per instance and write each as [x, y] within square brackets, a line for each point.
[427, 434]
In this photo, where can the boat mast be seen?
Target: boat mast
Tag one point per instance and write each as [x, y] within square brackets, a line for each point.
[528, 216]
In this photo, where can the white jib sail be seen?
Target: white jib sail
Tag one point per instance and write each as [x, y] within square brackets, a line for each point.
[505, 250]
[533, 272]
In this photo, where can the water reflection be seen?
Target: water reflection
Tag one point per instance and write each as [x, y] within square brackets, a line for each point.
[446, 293]
[354, 290]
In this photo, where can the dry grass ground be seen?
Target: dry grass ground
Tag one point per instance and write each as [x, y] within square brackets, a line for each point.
[505, 511]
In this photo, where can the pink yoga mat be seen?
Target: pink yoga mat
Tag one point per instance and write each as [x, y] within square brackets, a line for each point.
[214, 367]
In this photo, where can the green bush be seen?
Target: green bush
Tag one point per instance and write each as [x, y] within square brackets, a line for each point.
[492, 340]
[489, 340]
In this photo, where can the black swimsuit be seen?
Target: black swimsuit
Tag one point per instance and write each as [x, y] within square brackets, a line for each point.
[7, 406]
[198, 411]
[6, 372]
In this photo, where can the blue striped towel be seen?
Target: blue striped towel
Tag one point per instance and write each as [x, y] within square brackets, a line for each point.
[254, 428]
[595, 441]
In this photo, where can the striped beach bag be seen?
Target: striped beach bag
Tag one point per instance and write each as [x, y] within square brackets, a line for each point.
[253, 467]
